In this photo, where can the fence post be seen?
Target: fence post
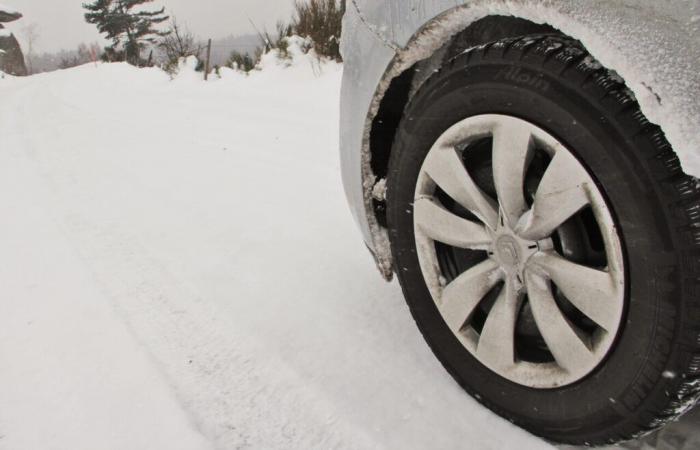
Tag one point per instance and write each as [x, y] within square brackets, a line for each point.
[207, 65]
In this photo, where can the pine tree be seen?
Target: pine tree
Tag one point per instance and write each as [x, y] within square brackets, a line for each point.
[130, 31]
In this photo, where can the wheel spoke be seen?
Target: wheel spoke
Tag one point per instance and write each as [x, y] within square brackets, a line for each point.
[445, 168]
[441, 225]
[561, 194]
[512, 150]
[567, 347]
[593, 292]
[462, 296]
[496, 344]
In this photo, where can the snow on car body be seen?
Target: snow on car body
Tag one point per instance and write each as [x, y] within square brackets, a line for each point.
[653, 46]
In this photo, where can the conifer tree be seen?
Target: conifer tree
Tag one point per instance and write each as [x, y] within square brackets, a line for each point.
[129, 30]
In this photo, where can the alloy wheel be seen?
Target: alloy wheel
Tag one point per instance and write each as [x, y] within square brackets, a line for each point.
[519, 250]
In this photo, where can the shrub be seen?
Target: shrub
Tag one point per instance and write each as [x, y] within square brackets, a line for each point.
[322, 21]
[242, 61]
[178, 43]
[319, 21]
[279, 42]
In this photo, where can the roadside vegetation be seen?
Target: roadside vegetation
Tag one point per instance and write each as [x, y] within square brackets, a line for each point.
[142, 38]
[147, 37]
[319, 22]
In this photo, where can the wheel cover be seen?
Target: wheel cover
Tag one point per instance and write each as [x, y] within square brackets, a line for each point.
[524, 264]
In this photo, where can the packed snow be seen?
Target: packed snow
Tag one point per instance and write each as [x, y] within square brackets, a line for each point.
[180, 270]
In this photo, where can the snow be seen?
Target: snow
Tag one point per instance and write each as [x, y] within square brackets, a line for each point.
[379, 190]
[181, 270]
[8, 10]
[4, 33]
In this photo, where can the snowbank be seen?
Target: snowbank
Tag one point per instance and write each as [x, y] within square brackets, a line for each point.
[299, 57]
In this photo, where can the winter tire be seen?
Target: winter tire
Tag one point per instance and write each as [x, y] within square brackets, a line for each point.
[545, 238]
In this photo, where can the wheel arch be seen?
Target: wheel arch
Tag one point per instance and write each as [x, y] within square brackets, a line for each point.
[457, 30]
[401, 87]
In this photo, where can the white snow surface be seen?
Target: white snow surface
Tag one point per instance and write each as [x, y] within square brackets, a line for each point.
[179, 270]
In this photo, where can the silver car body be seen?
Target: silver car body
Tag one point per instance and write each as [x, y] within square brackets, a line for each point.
[653, 45]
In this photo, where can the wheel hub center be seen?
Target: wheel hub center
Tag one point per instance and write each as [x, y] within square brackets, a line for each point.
[507, 251]
[513, 252]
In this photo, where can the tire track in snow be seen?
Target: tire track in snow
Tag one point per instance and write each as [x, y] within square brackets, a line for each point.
[236, 396]
[70, 389]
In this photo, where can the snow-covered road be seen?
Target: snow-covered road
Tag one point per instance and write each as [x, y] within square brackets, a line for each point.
[178, 269]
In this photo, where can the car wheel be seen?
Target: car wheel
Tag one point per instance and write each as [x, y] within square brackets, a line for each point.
[544, 236]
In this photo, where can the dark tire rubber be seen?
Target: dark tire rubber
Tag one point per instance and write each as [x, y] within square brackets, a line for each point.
[652, 374]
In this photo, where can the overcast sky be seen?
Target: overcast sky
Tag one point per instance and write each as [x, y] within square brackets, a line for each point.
[61, 25]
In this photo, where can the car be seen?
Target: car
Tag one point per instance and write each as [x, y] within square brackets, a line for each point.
[527, 170]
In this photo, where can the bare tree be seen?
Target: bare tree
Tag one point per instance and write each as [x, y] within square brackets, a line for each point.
[179, 43]
[30, 33]
[83, 55]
